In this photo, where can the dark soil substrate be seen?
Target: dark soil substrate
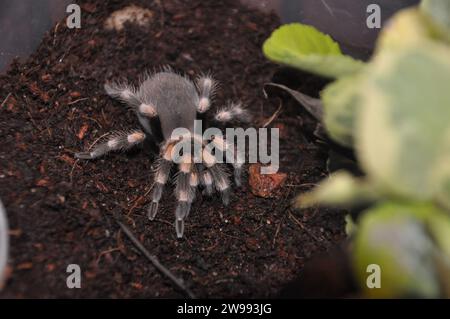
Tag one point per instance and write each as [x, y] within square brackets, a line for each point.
[63, 212]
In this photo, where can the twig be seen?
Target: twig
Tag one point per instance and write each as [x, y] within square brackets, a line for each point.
[93, 120]
[161, 8]
[79, 100]
[30, 115]
[55, 32]
[136, 201]
[274, 116]
[5, 100]
[76, 161]
[162, 221]
[178, 282]
[97, 261]
[71, 171]
[277, 231]
[299, 223]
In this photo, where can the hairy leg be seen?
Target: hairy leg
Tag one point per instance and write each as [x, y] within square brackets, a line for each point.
[118, 141]
[205, 179]
[232, 155]
[218, 174]
[162, 175]
[124, 92]
[234, 112]
[221, 181]
[130, 96]
[185, 194]
[207, 87]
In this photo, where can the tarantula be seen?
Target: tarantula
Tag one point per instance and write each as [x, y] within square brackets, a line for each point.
[163, 102]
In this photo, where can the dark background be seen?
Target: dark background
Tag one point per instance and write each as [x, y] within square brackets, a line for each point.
[24, 22]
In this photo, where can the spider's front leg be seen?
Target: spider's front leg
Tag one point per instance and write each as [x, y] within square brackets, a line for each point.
[118, 141]
[137, 100]
[186, 183]
[161, 177]
[124, 92]
[221, 181]
[206, 179]
[232, 155]
[207, 87]
[234, 112]
[217, 175]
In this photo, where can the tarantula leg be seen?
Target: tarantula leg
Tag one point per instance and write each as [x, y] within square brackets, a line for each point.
[137, 101]
[221, 181]
[161, 177]
[185, 194]
[207, 182]
[233, 156]
[237, 173]
[237, 165]
[124, 92]
[183, 208]
[206, 178]
[207, 88]
[147, 110]
[193, 182]
[118, 141]
[179, 227]
[232, 112]
[218, 175]
[128, 95]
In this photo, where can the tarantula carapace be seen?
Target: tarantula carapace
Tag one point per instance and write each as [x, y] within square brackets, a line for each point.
[164, 102]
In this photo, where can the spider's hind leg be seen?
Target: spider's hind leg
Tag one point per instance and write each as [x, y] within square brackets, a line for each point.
[117, 142]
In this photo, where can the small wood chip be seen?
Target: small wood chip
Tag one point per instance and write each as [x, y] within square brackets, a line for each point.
[82, 131]
[44, 182]
[25, 266]
[265, 185]
[75, 94]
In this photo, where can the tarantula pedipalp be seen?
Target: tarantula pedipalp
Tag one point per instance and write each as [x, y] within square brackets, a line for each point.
[163, 102]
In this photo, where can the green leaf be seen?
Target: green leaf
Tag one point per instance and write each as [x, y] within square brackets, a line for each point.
[340, 102]
[306, 48]
[394, 237]
[438, 12]
[439, 226]
[350, 226]
[402, 131]
[340, 189]
[406, 27]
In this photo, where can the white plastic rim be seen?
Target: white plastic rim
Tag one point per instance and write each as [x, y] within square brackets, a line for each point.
[4, 242]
